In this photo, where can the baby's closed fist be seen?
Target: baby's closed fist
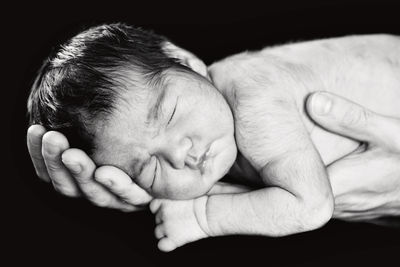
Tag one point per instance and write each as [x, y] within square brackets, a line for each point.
[179, 221]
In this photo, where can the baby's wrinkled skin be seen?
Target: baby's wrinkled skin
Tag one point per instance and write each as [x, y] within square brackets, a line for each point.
[185, 147]
[257, 110]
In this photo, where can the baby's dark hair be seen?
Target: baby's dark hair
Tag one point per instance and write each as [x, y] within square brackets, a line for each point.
[80, 82]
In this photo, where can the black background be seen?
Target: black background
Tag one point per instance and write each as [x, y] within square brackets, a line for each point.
[42, 227]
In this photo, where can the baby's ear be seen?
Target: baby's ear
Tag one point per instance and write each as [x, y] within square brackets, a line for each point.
[186, 58]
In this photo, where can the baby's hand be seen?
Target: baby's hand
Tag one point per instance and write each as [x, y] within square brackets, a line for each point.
[179, 221]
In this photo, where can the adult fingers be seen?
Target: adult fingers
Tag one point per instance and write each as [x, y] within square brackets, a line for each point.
[118, 182]
[344, 117]
[82, 169]
[357, 185]
[354, 173]
[53, 145]
[34, 142]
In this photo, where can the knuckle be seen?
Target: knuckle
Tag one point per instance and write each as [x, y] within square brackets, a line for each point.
[51, 150]
[52, 167]
[92, 194]
[134, 199]
[129, 200]
[356, 116]
[114, 186]
[35, 157]
[123, 194]
[101, 201]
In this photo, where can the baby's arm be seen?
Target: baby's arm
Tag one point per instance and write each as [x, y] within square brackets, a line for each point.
[228, 188]
[297, 196]
[282, 209]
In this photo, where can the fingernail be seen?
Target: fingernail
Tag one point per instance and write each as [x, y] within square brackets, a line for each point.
[321, 104]
[74, 167]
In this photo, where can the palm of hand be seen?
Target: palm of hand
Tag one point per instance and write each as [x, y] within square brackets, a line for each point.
[366, 185]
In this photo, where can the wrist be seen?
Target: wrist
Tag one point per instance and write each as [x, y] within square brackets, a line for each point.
[217, 208]
[200, 210]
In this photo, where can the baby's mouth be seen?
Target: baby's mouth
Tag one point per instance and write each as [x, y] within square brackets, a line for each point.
[202, 164]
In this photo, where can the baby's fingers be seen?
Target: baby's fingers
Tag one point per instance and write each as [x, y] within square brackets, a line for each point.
[155, 205]
[159, 231]
[118, 182]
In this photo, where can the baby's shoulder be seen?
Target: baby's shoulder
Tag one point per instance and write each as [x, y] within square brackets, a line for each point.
[246, 68]
[264, 76]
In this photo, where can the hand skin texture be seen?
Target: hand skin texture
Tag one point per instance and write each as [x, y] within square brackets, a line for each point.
[365, 183]
[74, 174]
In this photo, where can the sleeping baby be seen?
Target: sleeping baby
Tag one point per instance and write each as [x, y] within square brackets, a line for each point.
[134, 100]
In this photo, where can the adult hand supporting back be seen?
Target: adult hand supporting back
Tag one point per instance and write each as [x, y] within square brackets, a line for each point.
[365, 183]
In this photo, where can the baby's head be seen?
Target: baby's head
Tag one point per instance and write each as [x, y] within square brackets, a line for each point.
[132, 99]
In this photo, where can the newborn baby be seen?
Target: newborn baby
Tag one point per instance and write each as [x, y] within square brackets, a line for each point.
[134, 100]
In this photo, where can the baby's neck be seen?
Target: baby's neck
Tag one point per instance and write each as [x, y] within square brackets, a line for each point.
[214, 74]
[243, 171]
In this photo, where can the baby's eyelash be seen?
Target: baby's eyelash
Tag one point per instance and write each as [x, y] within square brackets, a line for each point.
[155, 171]
[173, 112]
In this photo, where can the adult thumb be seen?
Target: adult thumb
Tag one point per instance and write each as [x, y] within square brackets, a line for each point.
[341, 116]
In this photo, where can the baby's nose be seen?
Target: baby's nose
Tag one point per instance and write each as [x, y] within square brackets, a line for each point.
[179, 153]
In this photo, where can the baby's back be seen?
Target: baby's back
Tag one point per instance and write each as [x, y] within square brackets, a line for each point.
[364, 69]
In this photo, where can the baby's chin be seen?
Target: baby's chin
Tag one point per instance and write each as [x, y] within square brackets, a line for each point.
[182, 189]
[203, 184]
[193, 184]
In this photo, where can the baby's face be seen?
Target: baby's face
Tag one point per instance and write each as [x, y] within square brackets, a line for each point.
[175, 142]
